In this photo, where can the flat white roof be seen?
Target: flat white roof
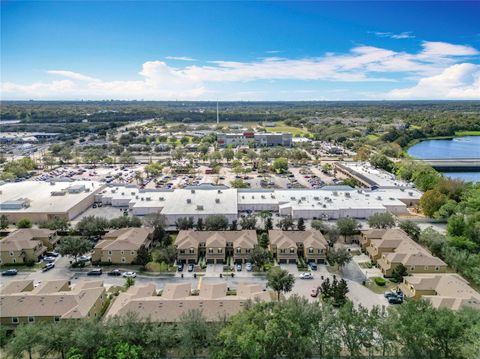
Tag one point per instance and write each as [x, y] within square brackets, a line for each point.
[40, 195]
[378, 176]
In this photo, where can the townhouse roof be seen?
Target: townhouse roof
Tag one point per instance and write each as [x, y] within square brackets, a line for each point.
[49, 301]
[288, 239]
[176, 300]
[451, 290]
[16, 286]
[21, 239]
[191, 238]
[125, 239]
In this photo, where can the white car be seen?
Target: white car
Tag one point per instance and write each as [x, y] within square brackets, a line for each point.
[129, 275]
[306, 275]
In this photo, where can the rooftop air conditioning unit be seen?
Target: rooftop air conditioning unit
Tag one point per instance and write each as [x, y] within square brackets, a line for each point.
[379, 197]
[402, 189]
[304, 198]
[136, 197]
[148, 198]
[347, 194]
[335, 193]
[367, 195]
[189, 200]
[132, 193]
[193, 191]
[292, 198]
[410, 193]
[243, 197]
[143, 199]
[162, 199]
[316, 198]
[219, 191]
[200, 207]
[217, 200]
[123, 193]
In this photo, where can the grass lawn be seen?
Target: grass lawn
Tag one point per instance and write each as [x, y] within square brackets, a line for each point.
[378, 288]
[372, 137]
[23, 268]
[467, 133]
[295, 131]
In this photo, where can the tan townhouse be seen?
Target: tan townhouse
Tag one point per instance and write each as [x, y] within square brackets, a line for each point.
[215, 245]
[447, 290]
[26, 245]
[176, 300]
[286, 246]
[121, 246]
[371, 234]
[387, 243]
[50, 301]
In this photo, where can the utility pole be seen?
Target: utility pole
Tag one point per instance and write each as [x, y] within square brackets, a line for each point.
[218, 118]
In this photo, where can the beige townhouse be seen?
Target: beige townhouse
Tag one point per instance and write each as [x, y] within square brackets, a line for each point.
[286, 246]
[447, 290]
[215, 246]
[176, 299]
[26, 245]
[387, 243]
[121, 246]
[50, 301]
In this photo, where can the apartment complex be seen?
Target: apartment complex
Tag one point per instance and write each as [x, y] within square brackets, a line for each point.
[257, 139]
[43, 201]
[121, 246]
[447, 290]
[395, 247]
[286, 246]
[50, 301]
[215, 246]
[26, 245]
[176, 300]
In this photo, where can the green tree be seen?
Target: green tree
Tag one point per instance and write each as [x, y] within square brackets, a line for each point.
[193, 333]
[200, 226]
[268, 224]
[263, 240]
[381, 220]
[280, 165]
[280, 280]
[248, 222]
[301, 224]
[286, 223]
[125, 222]
[74, 246]
[216, 222]
[399, 272]
[431, 201]
[26, 339]
[319, 225]
[339, 257]
[24, 223]
[258, 257]
[184, 223]
[143, 256]
[411, 228]
[347, 226]
[4, 222]
[91, 226]
[382, 162]
[56, 224]
[228, 154]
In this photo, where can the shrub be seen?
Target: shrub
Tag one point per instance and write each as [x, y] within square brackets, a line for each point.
[380, 281]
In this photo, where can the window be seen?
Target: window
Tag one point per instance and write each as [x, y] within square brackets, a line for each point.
[426, 267]
[14, 260]
[132, 253]
[248, 250]
[31, 319]
[192, 250]
[412, 268]
[109, 259]
[11, 254]
[122, 252]
[15, 320]
[220, 250]
[182, 251]
[282, 250]
[109, 253]
[239, 250]
[56, 319]
[310, 250]
[210, 250]
[437, 268]
[292, 250]
[123, 260]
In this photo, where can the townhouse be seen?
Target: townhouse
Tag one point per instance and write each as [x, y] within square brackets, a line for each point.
[286, 246]
[121, 246]
[447, 290]
[50, 301]
[395, 247]
[215, 246]
[176, 299]
[26, 245]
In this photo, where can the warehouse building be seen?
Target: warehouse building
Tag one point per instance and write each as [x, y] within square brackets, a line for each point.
[42, 201]
[257, 139]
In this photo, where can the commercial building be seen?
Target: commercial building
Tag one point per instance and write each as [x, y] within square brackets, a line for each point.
[177, 299]
[441, 290]
[215, 246]
[42, 201]
[26, 245]
[329, 202]
[257, 139]
[121, 246]
[287, 246]
[50, 301]
[395, 247]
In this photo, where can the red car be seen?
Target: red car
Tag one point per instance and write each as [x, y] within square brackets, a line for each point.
[314, 292]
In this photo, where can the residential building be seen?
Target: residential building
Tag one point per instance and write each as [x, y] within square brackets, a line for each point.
[176, 300]
[447, 290]
[50, 301]
[42, 201]
[215, 246]
[286, 246]
[120, 246]
[26, 245]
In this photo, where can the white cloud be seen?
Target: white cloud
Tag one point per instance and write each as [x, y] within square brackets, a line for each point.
[180, 58]
[158, 80]
[460, 81]
[402, 35]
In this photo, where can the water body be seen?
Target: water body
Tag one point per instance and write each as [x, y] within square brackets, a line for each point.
[461, 147]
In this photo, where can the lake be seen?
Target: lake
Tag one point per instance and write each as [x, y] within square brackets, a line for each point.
[461, 147]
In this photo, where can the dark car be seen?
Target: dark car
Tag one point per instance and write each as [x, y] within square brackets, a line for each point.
[10, 272]
[313, 265]
[52, 254]
[180, 267]
[95, 271]
[115, 272]
[48, 267]
[395, 300]
[190, 267]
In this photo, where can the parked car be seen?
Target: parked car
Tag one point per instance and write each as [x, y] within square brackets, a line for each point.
[95, 271]
[10, 272]
[84, 258]
[49, 259]
[48, 266]
[115, 272]
[306, 275]
[190, 267]
[395, 300]
[314, 292]
[52, 254]
[249, 267]
[180, 267]
[313, 265]
[129, 275]
[238, 267]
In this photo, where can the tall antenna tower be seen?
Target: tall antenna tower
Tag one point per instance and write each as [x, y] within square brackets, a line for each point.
[218, 118]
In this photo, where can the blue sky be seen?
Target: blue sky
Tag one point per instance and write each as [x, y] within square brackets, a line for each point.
[240, 50]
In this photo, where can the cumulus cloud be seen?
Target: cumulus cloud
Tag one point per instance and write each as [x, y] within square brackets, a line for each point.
[161, 80]
[459, 81]
[402, 35]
